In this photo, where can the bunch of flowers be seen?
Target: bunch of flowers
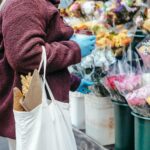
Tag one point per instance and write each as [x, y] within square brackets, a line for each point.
[113, 11]
[129, 83]
[94, 68]
[139, 100]
[83, 9]
[122, 79]
[117, 41]
[143, 20]
[143, 49]
[120, 85]
[121, 11]
[134, 89]
[109, 83]
[114, 24]
[105, 19]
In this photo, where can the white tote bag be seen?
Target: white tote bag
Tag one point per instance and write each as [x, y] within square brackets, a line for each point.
[48, 126]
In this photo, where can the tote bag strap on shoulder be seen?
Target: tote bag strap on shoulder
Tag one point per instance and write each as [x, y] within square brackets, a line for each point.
[43, 66]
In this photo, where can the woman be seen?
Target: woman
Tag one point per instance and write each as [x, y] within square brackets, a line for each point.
[25, 25]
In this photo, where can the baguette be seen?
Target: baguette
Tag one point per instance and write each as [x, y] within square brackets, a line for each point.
[16, 100]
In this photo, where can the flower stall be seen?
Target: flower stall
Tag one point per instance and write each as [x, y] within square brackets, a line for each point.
[119, 66]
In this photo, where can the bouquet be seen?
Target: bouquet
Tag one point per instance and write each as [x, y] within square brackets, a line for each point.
[120, 85]
[117, 74]
[130, 83]
[86, 10]
[122, 79]
[143, 48]
[146, 23]
[109, 83]
[92, 18]
[142, 20]
[105, 38]
[113, 24]
[94, 68]
[134, 88]
[139, 100]
[121, 11]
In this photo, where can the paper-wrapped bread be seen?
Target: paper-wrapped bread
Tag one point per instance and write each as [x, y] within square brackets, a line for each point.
[16, 101]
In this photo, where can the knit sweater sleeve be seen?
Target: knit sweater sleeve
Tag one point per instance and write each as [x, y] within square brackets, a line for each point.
[75, 82]
[24, 27]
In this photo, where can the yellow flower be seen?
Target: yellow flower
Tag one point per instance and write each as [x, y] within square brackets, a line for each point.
[148, 100]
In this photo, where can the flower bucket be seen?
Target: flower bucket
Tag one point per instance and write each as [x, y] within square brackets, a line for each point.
[77, 110]
[124, 127]
[99, 119]
[142, 132]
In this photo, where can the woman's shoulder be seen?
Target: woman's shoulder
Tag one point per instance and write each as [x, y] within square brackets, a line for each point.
[19, 4]
[43, 7]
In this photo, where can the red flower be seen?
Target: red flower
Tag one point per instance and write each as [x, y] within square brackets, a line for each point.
[110, 81]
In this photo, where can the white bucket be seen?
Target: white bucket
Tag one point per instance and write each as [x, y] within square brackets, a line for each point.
[99, 115]
[77, 110]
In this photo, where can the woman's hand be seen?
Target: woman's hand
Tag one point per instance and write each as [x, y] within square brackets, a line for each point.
[86, 43]
[83, 87]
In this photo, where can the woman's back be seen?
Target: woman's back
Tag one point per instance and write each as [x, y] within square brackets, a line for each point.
[25, 25]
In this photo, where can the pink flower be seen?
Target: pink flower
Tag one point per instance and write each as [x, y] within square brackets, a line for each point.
[130, 83]
[146, 60]
[110, 81]
[74, 7]
[136, 102]
[138, 97]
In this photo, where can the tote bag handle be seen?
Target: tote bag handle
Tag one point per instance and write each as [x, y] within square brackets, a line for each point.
[43, 64]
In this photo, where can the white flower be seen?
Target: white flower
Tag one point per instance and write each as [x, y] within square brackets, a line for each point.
[88, 8]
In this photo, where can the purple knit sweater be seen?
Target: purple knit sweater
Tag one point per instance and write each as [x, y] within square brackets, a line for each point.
[25, 25]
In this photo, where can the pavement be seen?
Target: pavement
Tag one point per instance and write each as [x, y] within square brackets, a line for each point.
[3, 144]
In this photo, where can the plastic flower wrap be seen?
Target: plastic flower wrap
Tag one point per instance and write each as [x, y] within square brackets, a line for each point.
[143, 49]
[113, 22]
[139, 100]
[146, 24]
[111, 11]
[119, 78]
[130, 83]
[94, 68]
[145, 78]
[92, 18]
[120, 85]
[117, 41]
[83, 9]
[109, 83]
[121, 11]
[142, 19]
[92, 26]
[102, 60]
[134, 87]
